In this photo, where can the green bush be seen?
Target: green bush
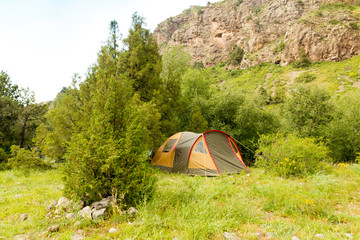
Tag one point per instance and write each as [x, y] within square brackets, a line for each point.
[309, 110]
[291, 155]
[3, 160]
[305, 78]
[279, 48]
[237, 56]
[303, 62]
[334, 22]
[25, 160]
[354, 25]
[343, 133]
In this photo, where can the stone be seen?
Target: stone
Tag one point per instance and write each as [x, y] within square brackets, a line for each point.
[57, 211]
[274, 35]
[78, 235]
[86, 212]
[132, 211]
[54, 228]
[113, 230]
[77, 223]
[23, 217]
[230, 236]
[21, 237]
[319, 235]
[98, 213]
[70, 216]
[103, 203]
[64, 204]
[295, 238]
[349, 235]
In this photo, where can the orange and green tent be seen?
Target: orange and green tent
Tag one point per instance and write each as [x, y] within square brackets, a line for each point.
[208, 154]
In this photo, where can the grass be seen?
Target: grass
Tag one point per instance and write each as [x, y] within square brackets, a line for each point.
[252, 206]
[337, 77]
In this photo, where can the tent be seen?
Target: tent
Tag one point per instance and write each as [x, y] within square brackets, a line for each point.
[208, 154]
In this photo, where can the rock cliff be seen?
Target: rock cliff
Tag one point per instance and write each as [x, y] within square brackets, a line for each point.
[274, 31]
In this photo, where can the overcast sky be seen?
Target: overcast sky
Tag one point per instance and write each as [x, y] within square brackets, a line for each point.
[44, 42]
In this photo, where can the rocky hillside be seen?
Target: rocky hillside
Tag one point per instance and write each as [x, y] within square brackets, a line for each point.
[275, 31]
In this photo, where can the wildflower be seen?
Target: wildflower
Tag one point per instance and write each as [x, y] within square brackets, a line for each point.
[286, 159]
[309, 202]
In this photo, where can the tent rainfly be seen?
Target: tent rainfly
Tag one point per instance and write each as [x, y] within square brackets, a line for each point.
[207, 154]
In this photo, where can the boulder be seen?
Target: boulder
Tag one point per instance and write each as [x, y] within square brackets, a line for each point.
[70, 216]
[23, 217]
[54, 228]
[78, 235]
[113, 230]
[64, 204]
[103, 203]
[86, 212]
[230, 236]
[132, 211]
[95, 214]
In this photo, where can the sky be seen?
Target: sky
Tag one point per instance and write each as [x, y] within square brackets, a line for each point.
[43, 43]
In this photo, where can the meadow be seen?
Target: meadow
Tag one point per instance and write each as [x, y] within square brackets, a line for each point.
[258, 205]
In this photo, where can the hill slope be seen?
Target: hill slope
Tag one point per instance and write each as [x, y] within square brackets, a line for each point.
[273, 31]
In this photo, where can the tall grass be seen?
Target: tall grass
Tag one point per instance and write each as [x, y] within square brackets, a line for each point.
[249, 205]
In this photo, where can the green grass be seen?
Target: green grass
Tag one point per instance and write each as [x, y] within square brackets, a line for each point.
[337, 77]
[199, 208]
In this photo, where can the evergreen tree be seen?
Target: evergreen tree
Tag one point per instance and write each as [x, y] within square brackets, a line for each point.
[141, 60]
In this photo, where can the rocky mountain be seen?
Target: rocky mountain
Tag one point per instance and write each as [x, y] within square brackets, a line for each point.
[276, 31]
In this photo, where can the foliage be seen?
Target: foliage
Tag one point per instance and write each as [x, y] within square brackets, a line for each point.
[242, 118]
[236, 57]
[19, 115]
[141, 61]
[199, 65]
[198, 123]
[344, 135]
[337, 6]
[279, 95]
[107, 150]
[308, 110]
[305, 77]
[291, 155]
[303, 61]
[62, 121]
[354, 25]
[171, 102]
[279, 48]
[25, 160]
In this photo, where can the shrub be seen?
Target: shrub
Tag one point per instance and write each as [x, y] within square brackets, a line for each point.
[303, 62]
[309, 110]
[354, 25]
[343, 133]
[291, 155]
[279, 48]
[334, 22]
[305, 78]
[25, 160]
[198, 65]
[238, 2]
[237, 56]
[3, 160]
